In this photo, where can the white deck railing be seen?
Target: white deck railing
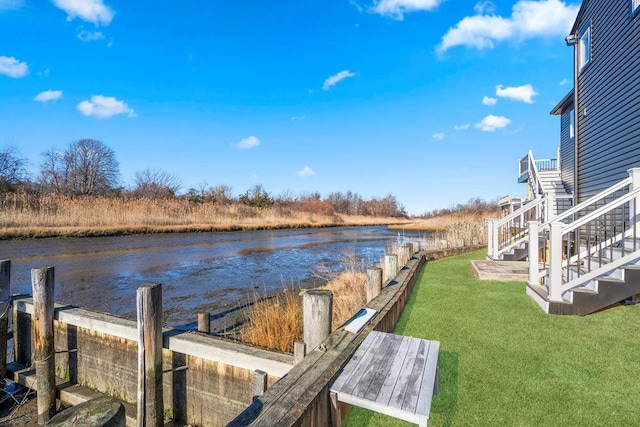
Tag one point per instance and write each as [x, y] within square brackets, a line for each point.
[596, 237]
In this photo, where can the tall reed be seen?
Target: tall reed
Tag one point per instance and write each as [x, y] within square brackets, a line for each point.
[28, 215]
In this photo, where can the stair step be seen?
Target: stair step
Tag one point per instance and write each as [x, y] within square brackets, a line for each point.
[583, 291]
[609, 279]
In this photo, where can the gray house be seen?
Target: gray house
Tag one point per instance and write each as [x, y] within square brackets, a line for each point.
[579, 229]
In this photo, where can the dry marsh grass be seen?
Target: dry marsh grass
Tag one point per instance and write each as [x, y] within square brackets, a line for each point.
[28, 216]
[451, 229]
[276, 323]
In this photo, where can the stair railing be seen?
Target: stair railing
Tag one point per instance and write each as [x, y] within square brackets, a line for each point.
[506, 233]
[583, 249]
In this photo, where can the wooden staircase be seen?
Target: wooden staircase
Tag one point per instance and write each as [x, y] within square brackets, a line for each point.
[612, 287]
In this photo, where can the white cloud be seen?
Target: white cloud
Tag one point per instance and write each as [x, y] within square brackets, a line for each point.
[524, 93]
[306, 171]
[103, 107]
[248, 142]
[484, 7]
[298, 118]
[48, 95]
[87, 36]
[10, 66]
[487, 100]
[94, 11]
[397, 8]
[545, 18]
[564, 82]
[10, 4]
[438, 136]
[462, 127]
[337, 78]
[491, 123]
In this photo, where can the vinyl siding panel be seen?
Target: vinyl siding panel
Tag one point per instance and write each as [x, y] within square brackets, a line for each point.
[609, 133]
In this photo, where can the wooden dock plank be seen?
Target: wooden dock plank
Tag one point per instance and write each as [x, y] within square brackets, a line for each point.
[356, 359]
[381, 372]
[412, 388]
[429, 377]
[404, 376]
[360, 369]
[389, 384]
[384, 350]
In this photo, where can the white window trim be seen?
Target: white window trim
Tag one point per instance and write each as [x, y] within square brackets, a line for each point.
[585, 53]
[635, 5]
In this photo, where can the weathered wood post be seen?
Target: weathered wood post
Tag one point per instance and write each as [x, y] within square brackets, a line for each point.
[403, 255]
[149, 312]
[390, 266]
[317, 311]
[204, 322]
[374, 282]
[299, 351]
[259, 382]
[5, 306]
[415, 247]
[42, 281]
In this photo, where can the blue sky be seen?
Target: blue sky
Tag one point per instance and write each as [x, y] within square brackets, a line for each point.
[433, 101]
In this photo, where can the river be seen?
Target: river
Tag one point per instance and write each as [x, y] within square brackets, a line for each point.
[210, 272]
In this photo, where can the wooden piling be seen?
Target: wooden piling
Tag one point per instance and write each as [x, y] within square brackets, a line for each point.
[204, 322]
[259, 382]
[5, 306]
[390, 266]
[149, 313]
[42, 281]
[374, 282]
[317, 310]
[299, 351]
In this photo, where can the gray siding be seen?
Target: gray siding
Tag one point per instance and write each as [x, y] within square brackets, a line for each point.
[567, 150]
[609, 133]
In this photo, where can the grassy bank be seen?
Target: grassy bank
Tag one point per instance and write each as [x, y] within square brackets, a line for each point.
[504, 362]
[25, 216]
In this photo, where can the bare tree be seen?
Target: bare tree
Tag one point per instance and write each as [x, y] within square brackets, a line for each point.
[87, 167]
[221, 194]
[13, 168]
[155, 184]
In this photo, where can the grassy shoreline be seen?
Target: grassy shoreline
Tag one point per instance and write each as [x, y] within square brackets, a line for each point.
[15, 233]
[28, 217]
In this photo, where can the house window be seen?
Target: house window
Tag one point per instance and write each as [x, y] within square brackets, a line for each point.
[572, 123]
[635, 4]
[585, 47]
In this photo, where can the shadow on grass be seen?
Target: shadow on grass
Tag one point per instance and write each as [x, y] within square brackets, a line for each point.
[445, 402]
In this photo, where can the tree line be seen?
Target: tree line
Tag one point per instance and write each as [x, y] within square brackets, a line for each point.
[89, 168]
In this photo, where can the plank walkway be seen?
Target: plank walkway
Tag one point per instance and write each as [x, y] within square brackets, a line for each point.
[390, 374]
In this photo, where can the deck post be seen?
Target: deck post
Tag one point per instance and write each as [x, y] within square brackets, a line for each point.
[533, 253]
[204, 322]
[317, 311]
[549, 208]
[374, 282]
[492, 239]
[555, 262]
[5, 306]
[149, 314]
[42, 282]
[390, 266]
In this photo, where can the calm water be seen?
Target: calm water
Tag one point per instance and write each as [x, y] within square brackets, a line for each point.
[198, 271]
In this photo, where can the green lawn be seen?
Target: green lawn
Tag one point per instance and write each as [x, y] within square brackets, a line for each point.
[503, 362]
